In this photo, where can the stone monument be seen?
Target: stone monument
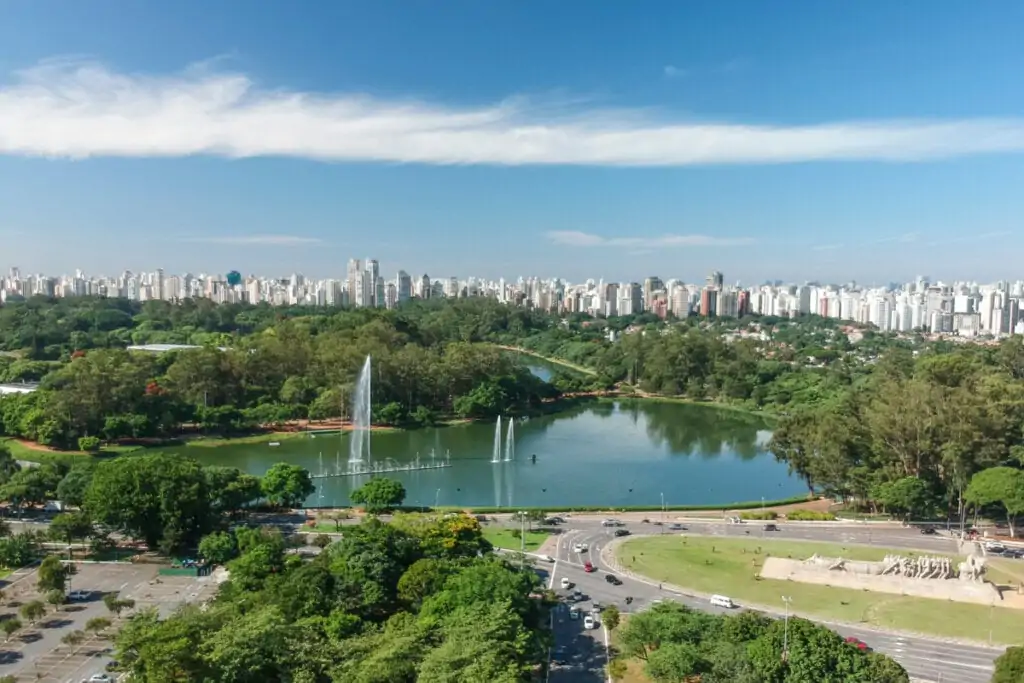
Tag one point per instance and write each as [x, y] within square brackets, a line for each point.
[923, 576]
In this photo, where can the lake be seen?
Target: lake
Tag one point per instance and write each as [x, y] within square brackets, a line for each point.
[613, 453]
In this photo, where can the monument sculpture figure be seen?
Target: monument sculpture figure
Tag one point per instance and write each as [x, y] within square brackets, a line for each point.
[924, 576]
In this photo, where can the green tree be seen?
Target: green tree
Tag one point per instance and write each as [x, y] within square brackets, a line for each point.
[73, 638]
[55, 598]
[69, 526]
[675, 663]
[1002, 486]
[1009, 667]
[52, 574]
[611, 617]
[34, 610]
[9, 626]
[98, 625]
[71, 489]
[287, 485]
[379, 495]
[89, 444]
[909, 495]
[219, 547]
[163, 501]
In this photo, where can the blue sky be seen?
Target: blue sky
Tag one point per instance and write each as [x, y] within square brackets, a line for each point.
[597, 138]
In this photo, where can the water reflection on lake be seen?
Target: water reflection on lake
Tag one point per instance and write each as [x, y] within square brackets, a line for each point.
[604, 453]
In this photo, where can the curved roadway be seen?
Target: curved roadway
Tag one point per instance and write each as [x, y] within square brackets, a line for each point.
[581, 655]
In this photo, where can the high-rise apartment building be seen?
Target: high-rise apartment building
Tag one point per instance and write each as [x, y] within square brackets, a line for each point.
[403, 286]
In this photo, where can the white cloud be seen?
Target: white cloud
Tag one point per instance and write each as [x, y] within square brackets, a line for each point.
[827, 247]
[671, 71]
[80, 110]
[586, 239]
[257, 240]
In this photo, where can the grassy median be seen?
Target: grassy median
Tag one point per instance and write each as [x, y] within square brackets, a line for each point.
[729, 566]
[509, 538]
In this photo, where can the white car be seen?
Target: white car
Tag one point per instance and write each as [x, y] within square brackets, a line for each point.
[547, 558]
[589, 623]
[574, 614]
[579, 547]
[566, 583]
[100, 678]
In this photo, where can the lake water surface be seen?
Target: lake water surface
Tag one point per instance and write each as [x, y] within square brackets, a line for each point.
[604, 453]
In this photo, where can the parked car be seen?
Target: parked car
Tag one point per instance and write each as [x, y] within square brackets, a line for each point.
[589, 623]
[677, 527]
[566, 583]
[596, 607]
[613, 580]
[858, 643]
[574, 613]
[588, 567]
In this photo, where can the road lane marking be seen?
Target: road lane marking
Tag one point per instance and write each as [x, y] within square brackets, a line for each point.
[554, 570]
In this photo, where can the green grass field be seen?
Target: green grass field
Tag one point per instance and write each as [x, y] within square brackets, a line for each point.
[730, 566]
[505, 538]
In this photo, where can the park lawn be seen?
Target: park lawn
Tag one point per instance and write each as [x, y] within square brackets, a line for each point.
[22, 452]
[729, 566]
[509, 540]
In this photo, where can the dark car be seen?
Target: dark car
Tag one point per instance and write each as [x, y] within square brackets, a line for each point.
[928, 530]
[613, 580]
[771, 527]
[622, 532]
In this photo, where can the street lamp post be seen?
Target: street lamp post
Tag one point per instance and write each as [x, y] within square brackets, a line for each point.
[522, 539]
[662, 513]
[436, 496]
[785, 633]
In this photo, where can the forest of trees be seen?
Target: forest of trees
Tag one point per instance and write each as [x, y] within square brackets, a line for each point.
[421, 599]
[279, 364]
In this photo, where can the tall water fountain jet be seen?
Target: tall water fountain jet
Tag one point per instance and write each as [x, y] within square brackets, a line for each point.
[359, 445]
[510, 441]
[496, 450]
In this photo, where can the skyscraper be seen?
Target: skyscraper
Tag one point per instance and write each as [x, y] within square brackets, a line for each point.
[355, 267]
[403, 286]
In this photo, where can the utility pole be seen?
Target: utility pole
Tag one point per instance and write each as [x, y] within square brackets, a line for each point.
[436, 496]
[662, 513]
[785, 634]
[522, 539]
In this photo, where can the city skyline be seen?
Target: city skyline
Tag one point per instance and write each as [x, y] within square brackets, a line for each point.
[795, 142]
[964, 309]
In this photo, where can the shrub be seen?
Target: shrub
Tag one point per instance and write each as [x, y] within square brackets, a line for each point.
[767, 514]
[810, 516]
[89, 444]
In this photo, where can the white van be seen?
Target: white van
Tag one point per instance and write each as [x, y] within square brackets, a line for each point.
[722, 601]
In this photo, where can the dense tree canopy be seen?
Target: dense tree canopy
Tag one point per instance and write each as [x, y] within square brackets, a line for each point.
[276, 365]
[677, 644]
[343, 616]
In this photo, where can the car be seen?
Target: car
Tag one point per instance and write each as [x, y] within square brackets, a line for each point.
[596, 607]
[771, 527]
[622, 532]
[552, 520]
[928, 530]
[656, 523]
[577, 596]
[589, 568]
[858, 643]
[574, 613]
[675, 527]
[546, 558]
[100, 678]
[577, 547]
[75, 596]
[589, 623]
[566, 583]
[609, 522]
[613, 580]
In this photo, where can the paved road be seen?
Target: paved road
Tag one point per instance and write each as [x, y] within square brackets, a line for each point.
[925, 659]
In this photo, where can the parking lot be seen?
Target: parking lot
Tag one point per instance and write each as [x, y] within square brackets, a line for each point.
[35, 653]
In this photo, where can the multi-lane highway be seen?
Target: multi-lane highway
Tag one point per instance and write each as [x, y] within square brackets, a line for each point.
[581, 654]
